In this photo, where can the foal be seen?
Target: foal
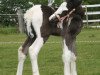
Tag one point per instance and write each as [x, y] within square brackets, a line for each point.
[40, 24]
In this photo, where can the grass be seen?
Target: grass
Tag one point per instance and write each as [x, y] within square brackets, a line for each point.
[50, 56]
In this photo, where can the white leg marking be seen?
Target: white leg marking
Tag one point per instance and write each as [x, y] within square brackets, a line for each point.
[37, 19]
[73, 65]
[66, 59]
[33, 51]
[21, 59]
[68, 56]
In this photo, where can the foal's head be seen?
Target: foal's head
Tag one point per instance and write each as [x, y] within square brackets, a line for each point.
[74, 22]
[73, 3]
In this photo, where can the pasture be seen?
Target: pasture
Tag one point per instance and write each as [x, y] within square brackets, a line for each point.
[50, 56]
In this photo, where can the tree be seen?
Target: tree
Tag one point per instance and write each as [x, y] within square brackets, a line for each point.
[10, 7]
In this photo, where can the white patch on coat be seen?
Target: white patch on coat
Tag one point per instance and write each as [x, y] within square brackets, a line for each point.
[68, 57]
[63, 7]
[33, 16]
[69, 20]
[66, 53]
[37, 20]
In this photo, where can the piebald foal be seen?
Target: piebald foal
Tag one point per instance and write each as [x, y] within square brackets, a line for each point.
[41, 22]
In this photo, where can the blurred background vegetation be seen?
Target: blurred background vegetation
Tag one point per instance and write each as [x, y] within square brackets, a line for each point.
[11, 6]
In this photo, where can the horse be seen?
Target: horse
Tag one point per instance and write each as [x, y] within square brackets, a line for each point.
[41, 21]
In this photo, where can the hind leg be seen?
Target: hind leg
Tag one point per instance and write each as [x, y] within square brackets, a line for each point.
[21, 59]
[22, 52]
[33, 52]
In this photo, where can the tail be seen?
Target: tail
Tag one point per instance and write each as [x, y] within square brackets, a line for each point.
[28, 22]
[28, 28]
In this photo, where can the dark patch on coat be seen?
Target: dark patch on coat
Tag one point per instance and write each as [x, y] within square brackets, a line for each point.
[70, 32]
[48, 28]
[28, 42]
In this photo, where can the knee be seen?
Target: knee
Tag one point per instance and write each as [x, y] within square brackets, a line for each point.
[32, 53]
[21, 55]
[74, 57]
[68, 57]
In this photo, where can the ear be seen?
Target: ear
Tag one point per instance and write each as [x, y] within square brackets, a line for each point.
[73, 3]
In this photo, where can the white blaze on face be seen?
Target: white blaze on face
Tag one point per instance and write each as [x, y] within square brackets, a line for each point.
[63, 7]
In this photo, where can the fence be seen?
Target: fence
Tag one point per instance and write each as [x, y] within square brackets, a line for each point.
[87, 13]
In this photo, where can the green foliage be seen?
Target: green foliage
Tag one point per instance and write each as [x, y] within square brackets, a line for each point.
[10, 7]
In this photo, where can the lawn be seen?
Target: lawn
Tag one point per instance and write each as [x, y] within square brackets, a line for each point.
[50, 56]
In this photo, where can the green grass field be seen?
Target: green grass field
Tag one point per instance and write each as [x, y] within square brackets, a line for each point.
[50, 56]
